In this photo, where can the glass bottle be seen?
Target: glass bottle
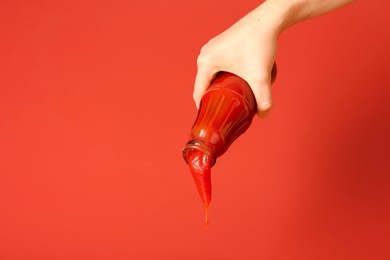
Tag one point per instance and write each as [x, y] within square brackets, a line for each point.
[226, 112]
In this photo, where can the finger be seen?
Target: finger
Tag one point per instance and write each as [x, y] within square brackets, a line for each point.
[203, 79]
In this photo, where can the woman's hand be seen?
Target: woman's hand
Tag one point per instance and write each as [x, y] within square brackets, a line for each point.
[248, 48]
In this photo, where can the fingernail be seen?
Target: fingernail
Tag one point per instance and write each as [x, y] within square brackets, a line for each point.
[263, 114]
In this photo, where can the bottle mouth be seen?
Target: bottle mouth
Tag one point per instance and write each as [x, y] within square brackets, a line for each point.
[199, 146]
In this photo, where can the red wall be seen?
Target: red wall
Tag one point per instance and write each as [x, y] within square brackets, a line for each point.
[96, 105]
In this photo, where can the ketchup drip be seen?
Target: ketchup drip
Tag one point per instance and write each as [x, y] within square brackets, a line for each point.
[200, 167]
[226, 112]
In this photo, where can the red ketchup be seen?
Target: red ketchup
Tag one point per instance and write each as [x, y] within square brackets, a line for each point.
[226, 112]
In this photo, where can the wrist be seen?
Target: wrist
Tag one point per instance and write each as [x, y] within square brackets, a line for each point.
[281, 14]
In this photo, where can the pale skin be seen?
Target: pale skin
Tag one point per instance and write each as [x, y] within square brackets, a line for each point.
[248, 48]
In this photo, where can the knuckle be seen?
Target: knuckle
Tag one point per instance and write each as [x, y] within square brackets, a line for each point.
[203, 59]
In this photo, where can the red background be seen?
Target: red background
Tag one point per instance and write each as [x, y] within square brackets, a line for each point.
[96, 105]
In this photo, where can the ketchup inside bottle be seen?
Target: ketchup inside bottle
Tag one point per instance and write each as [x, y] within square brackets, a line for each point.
[225, 112]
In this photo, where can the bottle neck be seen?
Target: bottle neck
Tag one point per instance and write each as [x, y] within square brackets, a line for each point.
[199, 146]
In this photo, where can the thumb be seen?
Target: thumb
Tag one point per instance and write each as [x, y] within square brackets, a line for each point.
[262, 91]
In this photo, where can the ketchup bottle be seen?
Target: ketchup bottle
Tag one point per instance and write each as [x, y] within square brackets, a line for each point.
[226, 112]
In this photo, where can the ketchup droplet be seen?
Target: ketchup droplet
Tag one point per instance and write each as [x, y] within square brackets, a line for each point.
[200, 167]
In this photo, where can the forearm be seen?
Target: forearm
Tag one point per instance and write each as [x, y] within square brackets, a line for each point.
[281, 14]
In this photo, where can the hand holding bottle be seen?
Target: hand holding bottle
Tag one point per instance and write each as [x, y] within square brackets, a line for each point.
[248, 48]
